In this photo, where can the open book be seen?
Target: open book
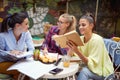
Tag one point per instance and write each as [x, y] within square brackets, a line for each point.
[23, 55]
[61, 40]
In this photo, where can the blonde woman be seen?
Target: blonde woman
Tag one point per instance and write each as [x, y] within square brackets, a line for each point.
[66, 23]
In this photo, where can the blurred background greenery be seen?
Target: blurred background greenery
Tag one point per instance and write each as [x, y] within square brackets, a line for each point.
[108, 13]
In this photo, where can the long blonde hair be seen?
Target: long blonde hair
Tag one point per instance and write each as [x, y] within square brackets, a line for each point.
[71, 19]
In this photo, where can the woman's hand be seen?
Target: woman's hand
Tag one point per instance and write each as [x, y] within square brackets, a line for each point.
[54, 36]
[72, 46]
[16, 52]
[45, 51]
[70, 52]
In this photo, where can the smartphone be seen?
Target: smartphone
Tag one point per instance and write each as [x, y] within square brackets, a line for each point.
[55, 71]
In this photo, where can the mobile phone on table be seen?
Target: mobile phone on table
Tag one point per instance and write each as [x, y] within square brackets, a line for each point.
[55, 71]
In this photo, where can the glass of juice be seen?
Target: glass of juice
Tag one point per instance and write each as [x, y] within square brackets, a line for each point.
[66, 61]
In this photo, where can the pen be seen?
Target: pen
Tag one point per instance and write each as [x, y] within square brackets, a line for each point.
[57, 56]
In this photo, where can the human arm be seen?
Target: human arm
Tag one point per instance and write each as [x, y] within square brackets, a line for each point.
[3, 53]
[50, 43]
[25, 46]
[29, 42]
[72, 46]
[47, 40]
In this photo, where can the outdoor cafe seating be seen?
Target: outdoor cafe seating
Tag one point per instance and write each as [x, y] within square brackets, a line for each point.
[113, 48]
[114, 52]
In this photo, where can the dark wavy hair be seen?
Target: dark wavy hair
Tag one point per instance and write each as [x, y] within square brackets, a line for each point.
[90, 18]
[11, 20]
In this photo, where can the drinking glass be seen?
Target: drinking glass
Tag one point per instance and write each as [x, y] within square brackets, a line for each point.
[66, 61]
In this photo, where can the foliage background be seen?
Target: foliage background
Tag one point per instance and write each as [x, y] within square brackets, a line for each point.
[108, 18]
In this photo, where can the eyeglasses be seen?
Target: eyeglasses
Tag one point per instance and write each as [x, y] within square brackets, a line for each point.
[60, 22]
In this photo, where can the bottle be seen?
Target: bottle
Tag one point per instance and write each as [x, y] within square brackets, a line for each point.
[36, 54]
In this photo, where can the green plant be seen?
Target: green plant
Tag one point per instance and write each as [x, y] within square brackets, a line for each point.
[31, 23]
[14, 10]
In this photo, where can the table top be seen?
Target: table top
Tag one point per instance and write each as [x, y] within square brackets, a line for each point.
[36, 69]
[71, 70]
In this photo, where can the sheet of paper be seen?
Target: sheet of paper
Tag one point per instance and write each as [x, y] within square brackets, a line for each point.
[31, 68]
